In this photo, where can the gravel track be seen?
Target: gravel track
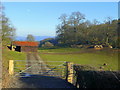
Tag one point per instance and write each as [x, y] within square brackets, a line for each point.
[37, 65]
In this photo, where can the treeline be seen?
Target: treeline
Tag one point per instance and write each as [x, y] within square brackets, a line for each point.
[75, 29]
[7, 33]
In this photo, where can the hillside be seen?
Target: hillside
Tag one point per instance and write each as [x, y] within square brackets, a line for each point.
[37, 38]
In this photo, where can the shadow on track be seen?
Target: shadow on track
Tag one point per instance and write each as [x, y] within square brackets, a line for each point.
[39, 81]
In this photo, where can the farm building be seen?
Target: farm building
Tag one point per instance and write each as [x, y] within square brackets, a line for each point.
[24, 46]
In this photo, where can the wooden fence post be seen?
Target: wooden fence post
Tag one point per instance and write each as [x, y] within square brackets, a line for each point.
[70, 72]
[11, 67]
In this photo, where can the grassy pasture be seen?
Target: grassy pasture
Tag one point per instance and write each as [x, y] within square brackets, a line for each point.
[12, 55]
[58, 50]
[91, 57]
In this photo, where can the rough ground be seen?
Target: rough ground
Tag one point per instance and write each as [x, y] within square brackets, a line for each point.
[34, 78]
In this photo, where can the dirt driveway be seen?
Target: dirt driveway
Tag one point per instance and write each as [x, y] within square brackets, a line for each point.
[34, 78]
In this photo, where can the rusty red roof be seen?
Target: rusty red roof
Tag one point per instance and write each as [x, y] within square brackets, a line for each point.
[25, 43]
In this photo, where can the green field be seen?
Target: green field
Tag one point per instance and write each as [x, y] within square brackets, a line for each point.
[12, 55]
[6, 56]
[59, 50]
[91, 57]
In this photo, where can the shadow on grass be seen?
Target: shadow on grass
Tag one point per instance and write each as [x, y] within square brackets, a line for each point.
[98, 79]
[90, 77]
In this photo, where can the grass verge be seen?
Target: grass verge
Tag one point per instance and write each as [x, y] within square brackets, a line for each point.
[6, 56]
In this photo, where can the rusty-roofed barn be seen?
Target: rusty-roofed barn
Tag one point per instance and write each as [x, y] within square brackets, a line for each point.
[24, 46]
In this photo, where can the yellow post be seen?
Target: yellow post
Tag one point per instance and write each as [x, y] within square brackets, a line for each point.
[70, 72]
[11, 67]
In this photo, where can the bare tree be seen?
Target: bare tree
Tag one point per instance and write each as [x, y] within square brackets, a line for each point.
[76, 18]
[63, 19]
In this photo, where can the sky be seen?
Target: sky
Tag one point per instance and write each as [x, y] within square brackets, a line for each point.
[60, 0]
[41, 18]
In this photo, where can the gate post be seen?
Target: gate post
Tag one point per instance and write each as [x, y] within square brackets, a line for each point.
[70, 72]
[11, 67]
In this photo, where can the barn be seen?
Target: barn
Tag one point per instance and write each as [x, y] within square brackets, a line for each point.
[24, 46]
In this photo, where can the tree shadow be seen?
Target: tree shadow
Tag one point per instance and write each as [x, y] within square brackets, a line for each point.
[97, 79]
[39, 81]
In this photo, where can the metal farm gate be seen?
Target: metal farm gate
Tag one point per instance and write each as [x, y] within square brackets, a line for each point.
[24, 68]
